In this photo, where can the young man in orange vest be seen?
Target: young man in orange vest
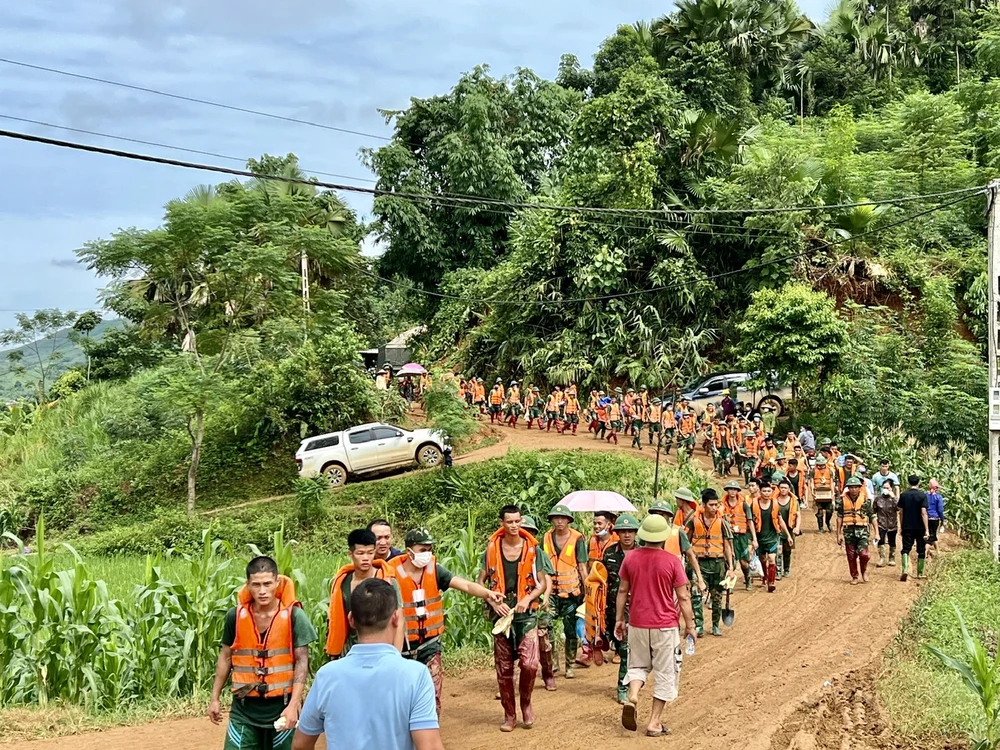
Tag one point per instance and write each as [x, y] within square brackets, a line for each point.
[724, 443]
[363, 565]
[514, 409]
[567, 549]
[511, 568]
[616, 416]
[855, 515]
[740, 516]
[571, 408]
[687, 508]
[552, 409]
[602, 538]
[422, 582]
[748, 452]
[268, 671]
[712, 541]
[788, 508]
[687, 427]
[769, 526]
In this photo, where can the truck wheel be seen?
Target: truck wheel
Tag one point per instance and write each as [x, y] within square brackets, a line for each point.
[428, 455]
[335, 474]
[774, 402]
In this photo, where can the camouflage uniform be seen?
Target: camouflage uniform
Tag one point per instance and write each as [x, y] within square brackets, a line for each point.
[857, 538]
[613, 557]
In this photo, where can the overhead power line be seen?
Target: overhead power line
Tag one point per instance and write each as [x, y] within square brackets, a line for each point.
[193, 99]
[378, 192]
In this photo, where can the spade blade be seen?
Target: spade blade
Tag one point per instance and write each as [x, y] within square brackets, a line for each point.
[727, 614]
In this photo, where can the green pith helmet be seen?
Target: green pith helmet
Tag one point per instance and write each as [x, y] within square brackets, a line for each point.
[535, 389]
[625, 522]
[618, 390]
[630, 390]
[418, 536]
[780, 456]
[685, 495]
[821, 461]
[777, 477]
[643, 388]
[656, 400]
[663, 508]
[749, 433]
[854, 482]
[825, 442]
[732, 484]
[527, 522]
[560, 510]
[499, 381]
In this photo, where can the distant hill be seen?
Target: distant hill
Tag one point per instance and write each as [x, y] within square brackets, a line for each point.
[14, 385]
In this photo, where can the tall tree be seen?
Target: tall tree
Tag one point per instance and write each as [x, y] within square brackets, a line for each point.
[42, 342]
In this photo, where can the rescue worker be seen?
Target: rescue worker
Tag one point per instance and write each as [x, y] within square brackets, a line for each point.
[738, 512]
[638, 421]
[546, 638]
[603, 537]
[687, 428]
[749, 449]
[625, 528]
[510, 568]
[845, 472]
[768, 459]
[797, 479]
[668, 424]
[712, 542]
[497, 396]
[479, 397]
[687, 508]
[600, 430]
[768, 418]
[571, 409]
[790, 442]
[769, 526]
[654, 419]
[422, 581]
[822, 490]
[363, 565]
[616, 418]
[567, 549]
[788, 507]
[268, 674]
[552, 409]
[514, 409]
[532, 403]
[855, 517]
[725, 443]
[888, 521]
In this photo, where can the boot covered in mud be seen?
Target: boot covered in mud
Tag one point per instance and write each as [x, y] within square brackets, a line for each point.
[881, 556]
[507, 700]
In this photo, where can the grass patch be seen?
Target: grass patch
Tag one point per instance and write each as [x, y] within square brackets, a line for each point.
[20, 724]
[921, 695]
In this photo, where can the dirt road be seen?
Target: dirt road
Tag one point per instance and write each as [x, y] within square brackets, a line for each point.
[736, 690]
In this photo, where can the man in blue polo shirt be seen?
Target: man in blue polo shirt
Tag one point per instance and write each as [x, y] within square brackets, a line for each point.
[373, 697]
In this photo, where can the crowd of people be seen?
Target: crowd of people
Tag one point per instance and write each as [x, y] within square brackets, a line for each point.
[633, 591]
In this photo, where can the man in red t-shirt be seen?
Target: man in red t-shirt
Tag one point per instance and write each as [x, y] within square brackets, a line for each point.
[654, 586]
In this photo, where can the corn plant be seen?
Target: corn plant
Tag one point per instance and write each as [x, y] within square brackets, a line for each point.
[464, 615]
[981, 675]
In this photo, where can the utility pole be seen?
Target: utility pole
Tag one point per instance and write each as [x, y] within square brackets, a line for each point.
[993, 271]
[305, 293]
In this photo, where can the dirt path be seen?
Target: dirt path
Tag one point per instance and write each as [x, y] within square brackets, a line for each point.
[736, 690]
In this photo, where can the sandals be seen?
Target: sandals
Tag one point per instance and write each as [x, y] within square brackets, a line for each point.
[628, 717]
[662, 732]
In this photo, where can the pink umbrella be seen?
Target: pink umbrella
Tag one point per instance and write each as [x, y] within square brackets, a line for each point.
[411, 368]
[591, 501]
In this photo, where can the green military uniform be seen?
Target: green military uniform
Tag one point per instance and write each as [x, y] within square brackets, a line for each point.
[614, 555]
[768, 418]
[546, 636]
[563, 608]
[251, 720]
[654, 424]
[713, 571]
[535, 412]
[663, 508]
[857, 537]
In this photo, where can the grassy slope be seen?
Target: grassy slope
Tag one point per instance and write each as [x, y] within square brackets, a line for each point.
[921, 695]
[13, 385]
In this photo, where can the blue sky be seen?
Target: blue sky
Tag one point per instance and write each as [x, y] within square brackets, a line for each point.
[331, 62]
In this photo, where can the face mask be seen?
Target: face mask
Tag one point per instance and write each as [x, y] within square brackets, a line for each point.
[602, 533]
[422, 559]
[886, 490]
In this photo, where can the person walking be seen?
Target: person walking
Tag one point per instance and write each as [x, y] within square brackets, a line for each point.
[855, 517]
[510, 567]
[712, 541]
[769, 527]
[788, 509]
[740, 516]
[571, 409]
[603, 537]
[913, 522]
[422, 582]
[268, 672]
[546, 637]
[497, 396]
[935, 513]
[567, 549]
[886, 510]
[822, 481]
[807, 439]
[373, 697]
[653, 592]
[626, 527]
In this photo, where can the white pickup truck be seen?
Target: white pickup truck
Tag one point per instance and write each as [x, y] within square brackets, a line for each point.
[367, 449]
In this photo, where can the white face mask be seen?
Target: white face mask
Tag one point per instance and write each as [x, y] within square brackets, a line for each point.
[603, 533]
[887, 490]
[422, 559]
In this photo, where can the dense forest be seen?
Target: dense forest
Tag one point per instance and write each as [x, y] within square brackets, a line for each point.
[602, 227]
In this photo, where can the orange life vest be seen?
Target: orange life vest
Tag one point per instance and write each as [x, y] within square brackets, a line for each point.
[553, 403]
[673, 543]
[852, 510]
[596, 550]
[336, 638]
[789, 450]
[823, 483]
[723, 438]
[514, 396]
[496, 396]
[669, 420]
[769, 456]
[615, 412]
[798, 484]
[596, 601]
[461, 390]
[654, 413]
[736, 515]
[572, 405]
[566, 582]
[793, 511]
[706, 540]
[265, 666]
[687, 425]
[842, 477]
[480, 393]
[527, 573]
[529, 399]
[431, 625]
[751, 446]
[775, 516]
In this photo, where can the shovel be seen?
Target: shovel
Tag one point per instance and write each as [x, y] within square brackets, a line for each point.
[727, 614]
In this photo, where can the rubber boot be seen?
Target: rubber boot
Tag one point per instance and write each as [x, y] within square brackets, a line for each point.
[548, 428]
[920, 567]
[615, 436]
[892, 556]
[570, 653]
[772, 573]
[525, 686]
[881, 556]
[545, 659]
[586, 655]
[697, 606]
[819, 522]
[508, 703]
[905, 559]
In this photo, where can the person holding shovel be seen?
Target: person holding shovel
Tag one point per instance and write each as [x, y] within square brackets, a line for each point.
[712, 541]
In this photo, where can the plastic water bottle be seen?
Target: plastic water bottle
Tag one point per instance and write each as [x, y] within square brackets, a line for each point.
[690, 645]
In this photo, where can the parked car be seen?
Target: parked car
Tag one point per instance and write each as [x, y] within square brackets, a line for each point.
[713, 388]
[367, 449]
